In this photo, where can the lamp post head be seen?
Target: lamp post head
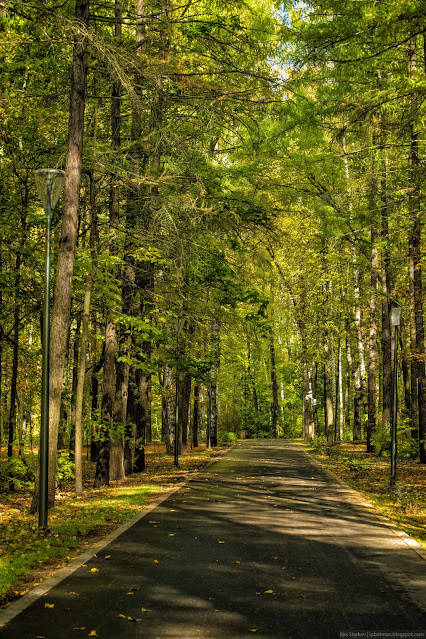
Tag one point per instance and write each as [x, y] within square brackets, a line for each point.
[395, 316]
[50, 183]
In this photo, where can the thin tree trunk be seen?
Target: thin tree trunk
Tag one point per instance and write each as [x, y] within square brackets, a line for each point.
[170, 413]
[195, 415]
[15, 362]
[212, 388]
[328, 413]
[274, 386]
[372, 340]
[415, 260]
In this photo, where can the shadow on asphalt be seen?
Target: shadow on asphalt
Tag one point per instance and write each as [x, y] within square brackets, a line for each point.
[261, 544]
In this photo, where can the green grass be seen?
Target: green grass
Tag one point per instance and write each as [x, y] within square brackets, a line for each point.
[25, 550]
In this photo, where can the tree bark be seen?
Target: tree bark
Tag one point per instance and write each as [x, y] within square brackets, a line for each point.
[83, 349]
[195, 415]
[212, 387]
[372, 340]
[274, 386]
[415, 261]
[60, 316]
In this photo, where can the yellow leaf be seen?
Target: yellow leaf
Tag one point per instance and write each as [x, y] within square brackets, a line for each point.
[220, 542]
[48, 605]
[217, 610]
[107, 556]
[172, 534]
[122, 616]
[253, 629]
[155, 561]
[73, 593]
[145, 610]
[94, 570]
[237, 562]
[93, 633]
[268, 592]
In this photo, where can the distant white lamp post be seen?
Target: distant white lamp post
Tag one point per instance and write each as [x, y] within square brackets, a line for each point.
[395, 322]
[50, 183]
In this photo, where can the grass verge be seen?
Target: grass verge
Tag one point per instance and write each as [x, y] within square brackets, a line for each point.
[404, 505]
[28, 557]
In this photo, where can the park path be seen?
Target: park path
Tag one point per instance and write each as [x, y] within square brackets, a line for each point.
[263, 543]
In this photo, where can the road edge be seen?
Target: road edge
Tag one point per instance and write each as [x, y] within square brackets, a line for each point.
[15, 608]
[356, 496]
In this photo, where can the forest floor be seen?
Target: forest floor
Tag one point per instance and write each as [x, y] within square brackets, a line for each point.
[27, 557]
[404, 505]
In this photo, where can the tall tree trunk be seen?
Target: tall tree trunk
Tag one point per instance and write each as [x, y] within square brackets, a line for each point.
[329, 417]
[372, 339]
[195, 415]
[15, 361]
[274, 386]
[415, 260]
[64, 271]
[212, 387]
[349, 374]
[170, 412]
[386, 340]
[184, 412]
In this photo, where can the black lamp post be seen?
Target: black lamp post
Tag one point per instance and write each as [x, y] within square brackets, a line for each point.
[176, 439]
[395, 321]
[50, 183]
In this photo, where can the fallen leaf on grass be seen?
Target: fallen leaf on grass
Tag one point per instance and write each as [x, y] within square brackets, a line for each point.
[94, 570]
[93, 633]
[155, 561]
[107, 556]
[145, 610]
[172, 534]
[122, 616]
[48, 605]
[253, 629]
[220, 542]
[237, 562]
[130, 593]
[73, 593]
[268, 592]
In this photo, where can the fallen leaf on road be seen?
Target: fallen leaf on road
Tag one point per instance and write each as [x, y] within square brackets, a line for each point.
[237, 562]
[268, 592]
[130, 593]
[107, 556]
[94, 570]
[145, 610]
[122, 616]
[172, 534]
[155, 561]
[48, 605]
[253, 629]
[73, 593]
[93, 633]
[220, 542]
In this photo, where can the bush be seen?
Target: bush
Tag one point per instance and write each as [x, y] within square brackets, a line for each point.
[229, 437]
[65, 470]
[20, 470]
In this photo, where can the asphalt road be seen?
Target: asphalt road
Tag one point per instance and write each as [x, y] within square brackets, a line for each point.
[263, 543]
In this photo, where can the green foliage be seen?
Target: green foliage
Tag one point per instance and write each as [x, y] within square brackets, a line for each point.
[65, 470]
[20, 470]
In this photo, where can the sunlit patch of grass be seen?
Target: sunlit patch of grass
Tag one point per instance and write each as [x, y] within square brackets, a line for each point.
[27, 557]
